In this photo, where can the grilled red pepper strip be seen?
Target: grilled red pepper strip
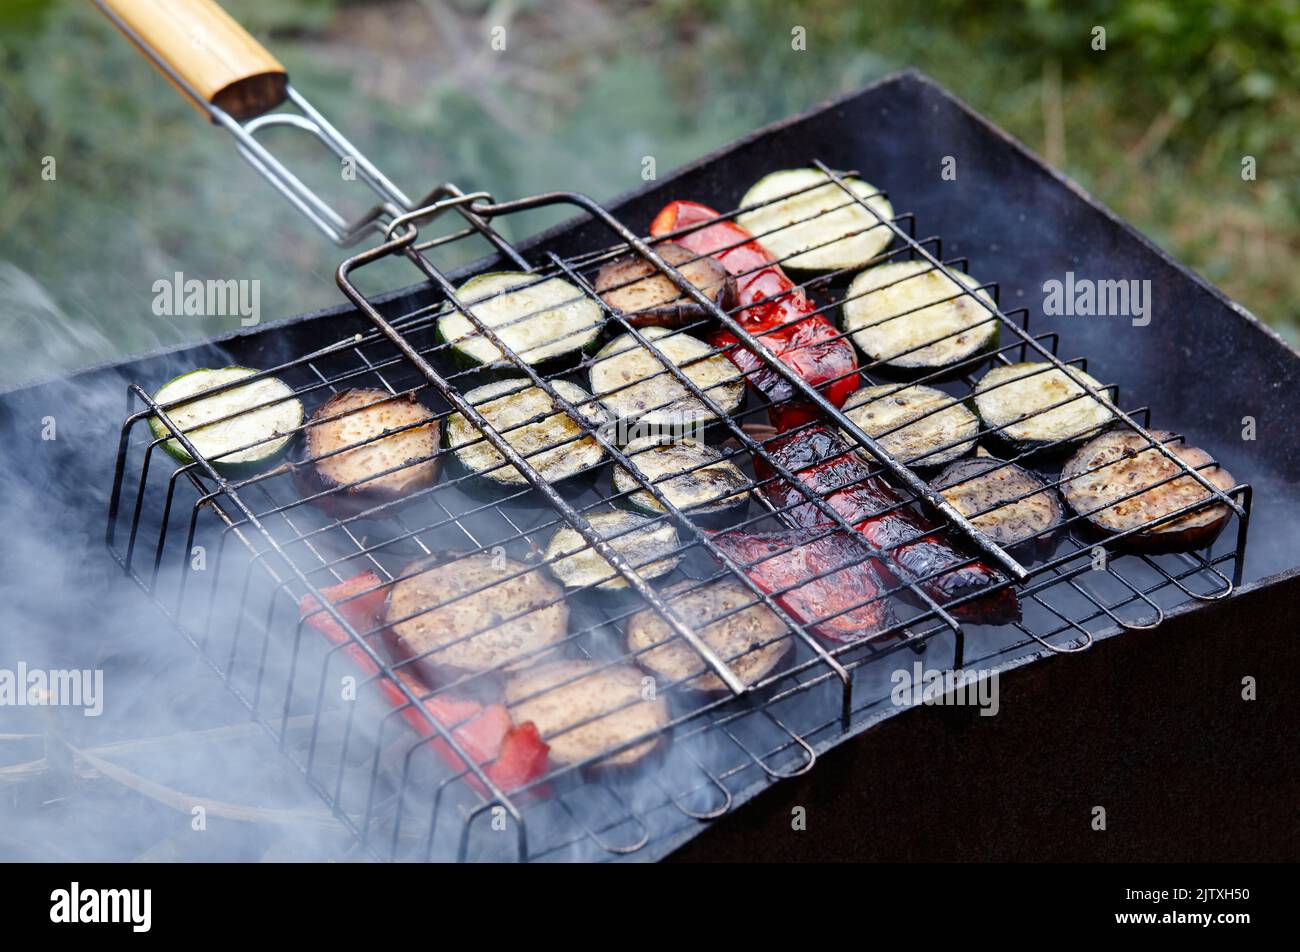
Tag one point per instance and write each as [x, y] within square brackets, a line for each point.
[824, 462]
[779, 560]
[511, 755]
[774, 309]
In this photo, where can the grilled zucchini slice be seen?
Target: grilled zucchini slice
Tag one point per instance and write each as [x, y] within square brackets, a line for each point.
[804, 233]
[692, 475]
[635, 387]
[270, 426]
[584, 709]
[356, 475]
[918, 425]
[1121, 462]
[751, 638]
[474, 613]
[546, 322]
[894, 309]
[545, 435]
[1007, 503]
[646, 297]
[1013, 402]
[649, 546]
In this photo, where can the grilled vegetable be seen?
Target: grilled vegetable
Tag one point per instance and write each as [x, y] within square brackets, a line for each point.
[639, 290]
[1008, 504]
[550, 440]
[750, 638]
[584, 710]
[820, 226]
[476, 613]
[894, 309]
[940, 566]
[649, 546]
[634, 385]
[775, 310]
[263, 413]
[918, 425]
[544, 321]
[365, 447]
[694, 477]
[1116, 464]
[825, 581]
[1020, 404]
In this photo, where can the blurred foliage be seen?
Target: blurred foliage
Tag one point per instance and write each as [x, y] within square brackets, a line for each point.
[1156, 126]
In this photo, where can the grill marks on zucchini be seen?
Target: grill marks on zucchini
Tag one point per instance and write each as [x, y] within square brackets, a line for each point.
[635, 386]
[891, 310]
[649, 546]
[747, 635]
[541, 320]
[551, 441]
[583, 710]
[1121, 462]
[1031, 405]
[822, 227]
[647, 297]
[1007, 503]
[374, 432]
[475, 613]
[916, 424]
[263, 412]
[692, 475]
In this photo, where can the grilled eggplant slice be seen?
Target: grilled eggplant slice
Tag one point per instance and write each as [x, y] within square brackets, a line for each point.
[729, 618]
[475, 613]
[1007, 503]
[546, 322]
[264, 412]
[374, 432]
[1121, 462]
[823, 227]
[918, 425]
[891, 310]
[1013, 402]
[693, 475]
[641, 292]
[584, 709]
[634, 386]
[551, 441]
[649, 546]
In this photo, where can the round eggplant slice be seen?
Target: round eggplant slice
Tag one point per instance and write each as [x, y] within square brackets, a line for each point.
[475, 613]
[819, 226]
[1014, 402]
[541, 320]
[911, 316]
[374, 432]
[263, 416]
[751, 640]
[583, 710]
[650, 547]
[638, 389]
[1121, 462]
[1005, 502]
[647, 297]
[916, 424]
[692, 475]
[551, 441]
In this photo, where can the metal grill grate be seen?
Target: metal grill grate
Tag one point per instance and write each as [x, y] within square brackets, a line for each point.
[401, 795]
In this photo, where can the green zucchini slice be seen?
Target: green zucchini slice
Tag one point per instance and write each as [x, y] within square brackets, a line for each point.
[1014, 401]
[649, 546]
[692, 475]
[918, 425]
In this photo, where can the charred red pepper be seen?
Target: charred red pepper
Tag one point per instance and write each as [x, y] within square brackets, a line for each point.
[774, 309]
[777, 561]
[823, 461]
[511, 755]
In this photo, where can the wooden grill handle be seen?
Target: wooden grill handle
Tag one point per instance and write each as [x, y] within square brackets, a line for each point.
[208, 49]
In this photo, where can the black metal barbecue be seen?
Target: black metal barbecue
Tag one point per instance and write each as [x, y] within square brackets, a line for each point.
[402, 778]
